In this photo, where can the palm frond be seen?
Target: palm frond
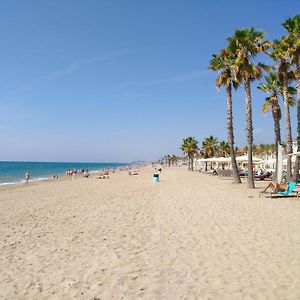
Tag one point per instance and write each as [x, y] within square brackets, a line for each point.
[266, 107]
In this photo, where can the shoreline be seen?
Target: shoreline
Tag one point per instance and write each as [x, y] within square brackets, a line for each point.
[63, 177]
[47, 177]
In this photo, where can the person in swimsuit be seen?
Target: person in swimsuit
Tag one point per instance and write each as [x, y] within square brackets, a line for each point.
[277, 187]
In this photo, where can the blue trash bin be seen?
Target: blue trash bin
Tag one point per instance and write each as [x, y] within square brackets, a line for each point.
[155, 178]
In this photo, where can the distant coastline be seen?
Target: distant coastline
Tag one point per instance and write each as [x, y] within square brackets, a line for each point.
[12, 172]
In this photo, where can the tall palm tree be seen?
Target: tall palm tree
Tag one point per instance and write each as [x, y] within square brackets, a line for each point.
[292, 25]
[280, 54]
[190, 148]
[222, 63]
[272, 87]
[246, 44]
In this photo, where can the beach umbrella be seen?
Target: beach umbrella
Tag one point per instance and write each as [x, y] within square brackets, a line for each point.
[201, 160]
[244, 158]
[223, 159]
[213, 159]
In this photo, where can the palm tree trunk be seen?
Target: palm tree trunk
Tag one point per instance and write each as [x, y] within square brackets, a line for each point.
[277, 135]
[230, 134]
[296, 170]
[192, 163]
[249, 130]
[288, 128]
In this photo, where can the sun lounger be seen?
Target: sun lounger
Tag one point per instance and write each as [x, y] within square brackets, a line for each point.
[224, 173]
[289, 193]
[265, 176]
[243, 174]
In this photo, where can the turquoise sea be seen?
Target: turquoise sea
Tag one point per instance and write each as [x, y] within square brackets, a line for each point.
[13, 172]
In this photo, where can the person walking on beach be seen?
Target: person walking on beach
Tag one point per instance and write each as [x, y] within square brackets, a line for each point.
[27, 176]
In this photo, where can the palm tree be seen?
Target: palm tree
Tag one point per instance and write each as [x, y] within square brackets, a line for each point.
[224, 149]
[171, 159]
[280, 54]
[209, 147]
[168, 160]
[292, 25]
[272, 87]
[174, 159]
[240, 151]
[272, 149]
[190, 148]
[222, 63]
[246, 44]
[267, 150]
[256, 150]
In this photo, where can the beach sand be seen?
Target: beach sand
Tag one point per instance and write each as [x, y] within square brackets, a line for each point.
[190, 236]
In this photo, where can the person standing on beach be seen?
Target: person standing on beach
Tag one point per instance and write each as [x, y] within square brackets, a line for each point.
[27, 177]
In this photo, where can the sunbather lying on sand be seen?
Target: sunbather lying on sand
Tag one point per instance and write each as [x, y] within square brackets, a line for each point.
[133, 173]
[102, 177]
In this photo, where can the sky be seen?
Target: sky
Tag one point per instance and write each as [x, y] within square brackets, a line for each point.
[123, 80]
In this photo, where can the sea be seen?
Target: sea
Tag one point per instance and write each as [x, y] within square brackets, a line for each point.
[12, 172]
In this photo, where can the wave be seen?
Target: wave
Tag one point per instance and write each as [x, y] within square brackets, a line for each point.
[23, 181]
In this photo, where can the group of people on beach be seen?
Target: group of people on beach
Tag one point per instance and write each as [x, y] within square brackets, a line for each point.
[104, 174]
[71, 173]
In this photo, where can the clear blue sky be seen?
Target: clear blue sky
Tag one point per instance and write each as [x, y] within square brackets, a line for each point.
[122, 80]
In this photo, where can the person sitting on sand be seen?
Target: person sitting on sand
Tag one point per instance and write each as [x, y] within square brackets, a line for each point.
[277, 187]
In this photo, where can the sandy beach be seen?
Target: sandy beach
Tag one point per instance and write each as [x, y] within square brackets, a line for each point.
[190, 236]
